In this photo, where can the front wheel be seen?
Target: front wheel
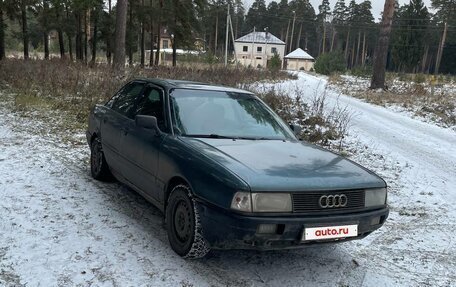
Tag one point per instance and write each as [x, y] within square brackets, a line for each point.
[98, 166]
[183, 225]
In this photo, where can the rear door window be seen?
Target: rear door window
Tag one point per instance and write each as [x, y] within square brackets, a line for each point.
[124, 101]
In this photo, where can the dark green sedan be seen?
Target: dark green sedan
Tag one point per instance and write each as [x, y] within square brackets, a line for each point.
[227, 172]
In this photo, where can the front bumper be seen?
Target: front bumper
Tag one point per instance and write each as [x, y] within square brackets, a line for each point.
[228, 230]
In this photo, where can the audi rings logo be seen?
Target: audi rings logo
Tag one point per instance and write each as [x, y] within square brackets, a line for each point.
[332, 201]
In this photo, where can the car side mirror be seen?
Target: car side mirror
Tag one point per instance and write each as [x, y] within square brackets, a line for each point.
[147, 122]
[296, 129]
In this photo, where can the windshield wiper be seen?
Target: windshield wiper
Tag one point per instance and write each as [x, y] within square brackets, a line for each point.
[211, 136]
[216, 136]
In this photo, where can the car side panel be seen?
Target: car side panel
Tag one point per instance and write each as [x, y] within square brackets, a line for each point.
[110, 128]
[139, 149]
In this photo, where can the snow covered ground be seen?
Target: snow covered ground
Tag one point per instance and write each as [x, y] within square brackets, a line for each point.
[434, 105]
[61, 228]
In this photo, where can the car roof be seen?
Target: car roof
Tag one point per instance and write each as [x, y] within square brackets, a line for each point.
[168, 83]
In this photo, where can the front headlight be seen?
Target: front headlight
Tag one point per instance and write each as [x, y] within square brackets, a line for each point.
[271, 202]
[262, 202]
[375, 197]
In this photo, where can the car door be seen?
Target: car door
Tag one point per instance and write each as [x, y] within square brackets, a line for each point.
[118, 113]
[141, 146]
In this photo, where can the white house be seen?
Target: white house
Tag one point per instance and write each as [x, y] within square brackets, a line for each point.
[256, 48]
[299, 60]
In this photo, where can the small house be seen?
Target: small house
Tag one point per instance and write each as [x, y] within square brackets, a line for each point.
[299, 60]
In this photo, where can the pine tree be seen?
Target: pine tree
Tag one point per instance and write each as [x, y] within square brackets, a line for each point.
[306, 13]
[339, 23]
[182, 19]
[445, 13]
[324, 12]
[339, 13]
[409, 38]
[256, 16]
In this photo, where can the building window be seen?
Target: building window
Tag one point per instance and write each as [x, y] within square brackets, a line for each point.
[165, 44]
[274, 50]
[259, 49]
[245, 49]
[259, 58]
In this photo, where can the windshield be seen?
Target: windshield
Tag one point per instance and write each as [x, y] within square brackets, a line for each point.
[220, 114]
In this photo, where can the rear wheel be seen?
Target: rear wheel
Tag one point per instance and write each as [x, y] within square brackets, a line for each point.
[183, 225]
[98, 166]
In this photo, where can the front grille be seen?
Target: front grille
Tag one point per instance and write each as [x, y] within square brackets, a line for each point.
[309, 201]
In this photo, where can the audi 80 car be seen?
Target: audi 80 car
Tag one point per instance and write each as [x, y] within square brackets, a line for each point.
[227, 172]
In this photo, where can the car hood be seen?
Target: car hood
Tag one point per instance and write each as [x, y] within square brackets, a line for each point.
[274, 165]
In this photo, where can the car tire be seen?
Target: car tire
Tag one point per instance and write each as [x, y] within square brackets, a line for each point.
[185, 233]
[99, 168]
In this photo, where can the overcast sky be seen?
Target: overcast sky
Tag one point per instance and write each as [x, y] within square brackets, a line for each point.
[377, 5]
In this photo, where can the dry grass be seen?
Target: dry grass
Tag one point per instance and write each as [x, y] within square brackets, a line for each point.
[55, 88]
[62, 93]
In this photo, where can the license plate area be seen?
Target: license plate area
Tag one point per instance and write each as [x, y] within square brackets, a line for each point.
[330, 232]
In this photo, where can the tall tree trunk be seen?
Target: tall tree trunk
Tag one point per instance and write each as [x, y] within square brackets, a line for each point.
[353, 55]
[305, 43]
[358, 50]
[143, 48]
[142, 44]
[2, 36]
[323, 49]
[94, 36]
[60, 31]
[425, 58]
[347, 44]
[61, 43]
[121, 26]
[440, 51]
[216, 34]
[109, 36]
[130, 32]
[46, 45]
[333, 39]
[70, 42]
[363, 59]
[173, 42]
[381, 50]
[45, 30]
[78, 46]
[25, 36]
[151, 57]
[157, 54]
[86, 34]
[299, 37]
[70, 47]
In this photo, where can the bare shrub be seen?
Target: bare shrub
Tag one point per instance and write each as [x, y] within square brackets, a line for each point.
[321, 124]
